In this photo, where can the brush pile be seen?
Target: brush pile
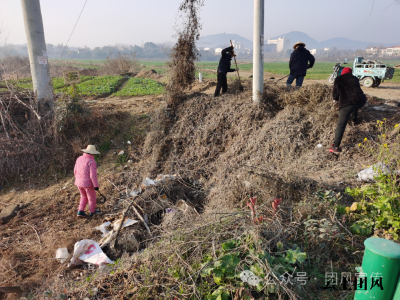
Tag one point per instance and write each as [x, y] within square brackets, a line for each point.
[184, 53]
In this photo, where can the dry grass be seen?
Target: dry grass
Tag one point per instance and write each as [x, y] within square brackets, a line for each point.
[224, 150]
[184, 53]
[120, 65]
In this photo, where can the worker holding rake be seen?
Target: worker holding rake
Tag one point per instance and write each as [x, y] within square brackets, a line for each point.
[350, 98]
[86, 180]
[223, 68]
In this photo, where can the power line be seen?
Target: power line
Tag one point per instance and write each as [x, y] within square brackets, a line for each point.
[73, 28]
[372, 8]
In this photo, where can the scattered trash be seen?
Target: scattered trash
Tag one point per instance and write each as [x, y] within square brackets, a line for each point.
[130, 161]
[146, 183]
[121, 152]
[127, 222]
[319, 146]
[134, 193]
[369, 173]
[129, 142]
[382, 108]
[90, 252]
[62, 254]
[169, 210]
[103, 229]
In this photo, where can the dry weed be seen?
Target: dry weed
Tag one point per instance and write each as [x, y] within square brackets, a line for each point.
[184, 53]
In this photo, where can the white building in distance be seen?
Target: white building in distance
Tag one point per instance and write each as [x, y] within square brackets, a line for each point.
[282, 44]
[218, 51]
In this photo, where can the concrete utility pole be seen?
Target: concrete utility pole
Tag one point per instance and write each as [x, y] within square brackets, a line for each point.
[37, 51]
[258, 51]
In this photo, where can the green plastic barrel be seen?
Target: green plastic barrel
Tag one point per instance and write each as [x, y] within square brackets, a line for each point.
[397, 292]
[381, 260]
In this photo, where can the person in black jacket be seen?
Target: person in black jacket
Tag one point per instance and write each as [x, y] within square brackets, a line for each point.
[223, 68]
[350, 98]
[300, 60]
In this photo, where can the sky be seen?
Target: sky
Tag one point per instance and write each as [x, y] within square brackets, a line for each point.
[109, 22]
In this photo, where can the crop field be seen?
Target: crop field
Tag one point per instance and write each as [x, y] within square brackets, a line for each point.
[58, 83]
[100, 85]
[140, 86]
[321, 70]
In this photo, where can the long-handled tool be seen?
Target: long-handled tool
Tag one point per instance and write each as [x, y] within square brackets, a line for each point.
[237, 69]
[280, 78]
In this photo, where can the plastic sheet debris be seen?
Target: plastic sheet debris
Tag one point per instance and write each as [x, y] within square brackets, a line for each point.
[134, 193]
[127, 222]
[121, 152]
[319, 146]
[249, 277]
[371, 172]
[129, 142]
[62, 254]
[146, 183]
[103, 228]
[90, 252]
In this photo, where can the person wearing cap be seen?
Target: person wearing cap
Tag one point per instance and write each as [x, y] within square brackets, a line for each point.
[86, 180]
[223, 68]
[300, 60]
[350, 98]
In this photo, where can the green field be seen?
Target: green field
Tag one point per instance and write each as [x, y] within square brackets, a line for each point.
[140, 87]
[99, 86]
[321, 70]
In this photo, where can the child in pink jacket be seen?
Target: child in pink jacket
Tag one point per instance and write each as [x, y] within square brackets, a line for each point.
[86, 180]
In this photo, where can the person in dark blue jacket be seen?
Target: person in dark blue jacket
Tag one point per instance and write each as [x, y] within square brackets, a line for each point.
[300, 60]
[223, 68]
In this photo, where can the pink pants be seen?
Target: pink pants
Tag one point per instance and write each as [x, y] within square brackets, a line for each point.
[87, 193]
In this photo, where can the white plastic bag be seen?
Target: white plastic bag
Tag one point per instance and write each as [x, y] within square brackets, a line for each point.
[369, 173]
[90, 252]
[103, 227]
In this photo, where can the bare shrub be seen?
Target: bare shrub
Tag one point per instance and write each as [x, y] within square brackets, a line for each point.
[33, 138]
[184, 53]
[14, 67]
[120, 65]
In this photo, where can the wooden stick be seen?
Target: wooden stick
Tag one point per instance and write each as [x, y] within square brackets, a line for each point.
[122, 222]
[235, 62]
[141, 218]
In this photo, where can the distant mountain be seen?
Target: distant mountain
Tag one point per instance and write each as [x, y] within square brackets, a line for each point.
[223, 40]
[340, 43]
[295, 36]
[343, 43]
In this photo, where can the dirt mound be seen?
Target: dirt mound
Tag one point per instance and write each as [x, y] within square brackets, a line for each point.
[152, 74]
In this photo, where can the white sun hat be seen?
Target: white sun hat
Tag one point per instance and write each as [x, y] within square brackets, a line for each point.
[91, 149]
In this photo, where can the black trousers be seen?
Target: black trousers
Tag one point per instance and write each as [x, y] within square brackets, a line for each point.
[345, 114]
[222, 83]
